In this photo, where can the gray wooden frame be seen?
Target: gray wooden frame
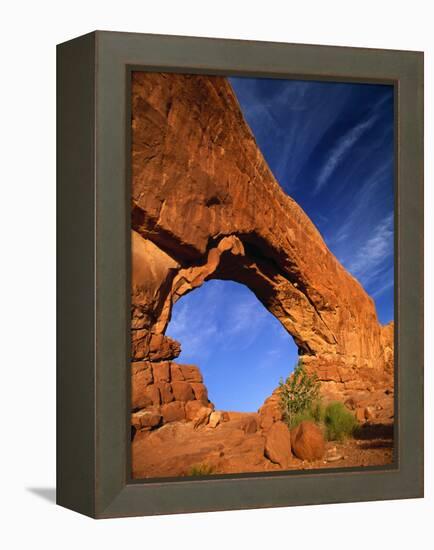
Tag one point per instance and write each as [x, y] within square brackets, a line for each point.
[93, 374]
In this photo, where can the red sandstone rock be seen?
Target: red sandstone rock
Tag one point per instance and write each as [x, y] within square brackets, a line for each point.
[139, 344]
[176, 372]
[145, 419]
[191, 373]
[360, 414]
[224, 416]
[145, 368]
[200, 392]
[278, 444]
[149, 397]
[182, 391]
[173, 412]
[154, 347]
[175, 447]
[161, 371]
[165, 392]
[249, 423]
[140, 380]
[270, 412]
[191, 409]
[162, 347]
[307, 441]
[201, 417]
[215, 419]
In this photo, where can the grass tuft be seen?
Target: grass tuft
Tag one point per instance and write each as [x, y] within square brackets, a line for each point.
[201, 470]
[339, 422]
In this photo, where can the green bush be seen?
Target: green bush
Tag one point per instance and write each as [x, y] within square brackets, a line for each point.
[201, 470]
[299, 401]
[298, 396]
[339, 422]
[298, 418]
[318, 412]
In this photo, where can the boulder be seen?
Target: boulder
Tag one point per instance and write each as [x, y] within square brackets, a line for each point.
[145, 419]
[191, 409]
[215, 419]
[162, 347]
[153, 347]
[278, 444]
[201, 417]
[144, 368]
[191, 373]
[248, 422]
[147, 397]
[173, 412]
[141, 378]
[176, 372]
[270, 412]
[182, 391]
[166, 393]
[200, 391]
[307, 441]
[161, 371]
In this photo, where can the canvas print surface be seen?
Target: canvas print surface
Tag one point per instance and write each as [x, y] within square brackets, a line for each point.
[262, 275]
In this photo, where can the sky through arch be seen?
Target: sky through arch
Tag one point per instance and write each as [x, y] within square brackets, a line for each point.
[240, 347]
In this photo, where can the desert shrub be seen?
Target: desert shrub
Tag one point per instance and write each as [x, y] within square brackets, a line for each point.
[318, 412]
[201, 470]
[299, 400]
[298, 418]
[315, 413]
[299, 395]
[339, 422]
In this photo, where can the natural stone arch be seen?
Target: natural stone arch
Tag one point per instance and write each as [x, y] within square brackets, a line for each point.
[205, 204]
[229, 260]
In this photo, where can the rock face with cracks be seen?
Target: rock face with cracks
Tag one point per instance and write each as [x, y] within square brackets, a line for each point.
[205, 205]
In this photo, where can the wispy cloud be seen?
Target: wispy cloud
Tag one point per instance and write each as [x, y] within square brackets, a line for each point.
[291, 116]
[345, 144]
[373, 256]
[210, 318]
[362, 201]
[384, 283]
[195, 330]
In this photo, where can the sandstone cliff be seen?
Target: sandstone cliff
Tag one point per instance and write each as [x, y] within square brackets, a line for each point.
[206, 205]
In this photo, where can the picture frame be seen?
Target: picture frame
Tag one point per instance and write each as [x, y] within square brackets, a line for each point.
[93, 376]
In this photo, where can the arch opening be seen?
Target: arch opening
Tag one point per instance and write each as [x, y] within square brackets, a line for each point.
[240, 347]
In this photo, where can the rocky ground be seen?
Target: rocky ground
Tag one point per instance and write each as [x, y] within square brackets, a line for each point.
[176, 428]
[238, 445]
[372, 447]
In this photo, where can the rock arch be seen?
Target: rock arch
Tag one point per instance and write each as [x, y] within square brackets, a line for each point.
[206, 205]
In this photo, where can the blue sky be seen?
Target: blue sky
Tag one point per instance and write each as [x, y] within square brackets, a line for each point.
[330, 147]
[228, 333]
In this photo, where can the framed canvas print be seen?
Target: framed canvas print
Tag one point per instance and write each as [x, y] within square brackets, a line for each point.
[240, 274]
